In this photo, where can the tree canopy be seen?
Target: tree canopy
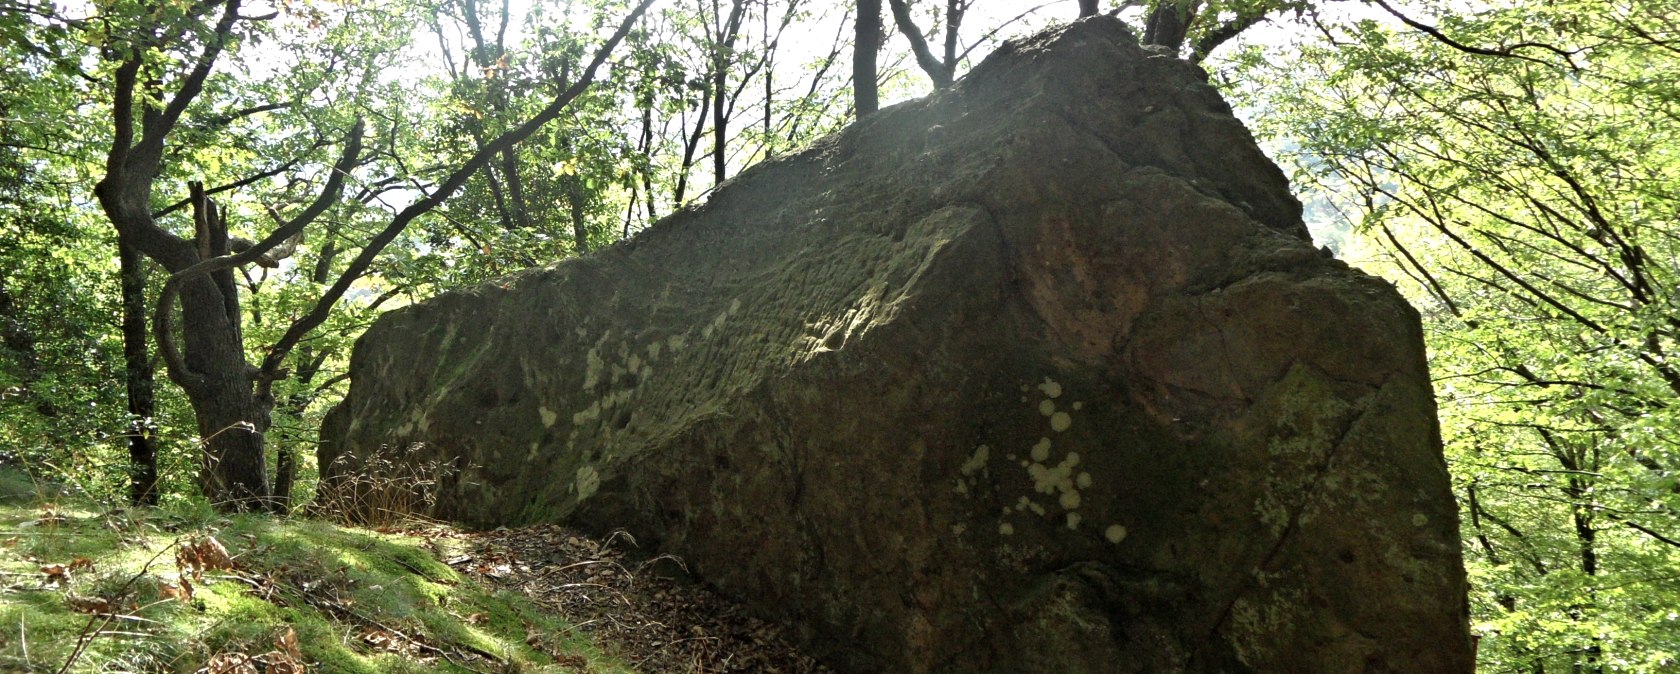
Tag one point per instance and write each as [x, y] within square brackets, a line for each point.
[1513, 169]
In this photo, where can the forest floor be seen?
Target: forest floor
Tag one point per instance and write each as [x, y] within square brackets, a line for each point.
[195, 592]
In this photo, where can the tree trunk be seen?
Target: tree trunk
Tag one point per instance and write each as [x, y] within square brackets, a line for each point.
[219, 382]
[214, 373]
[235, 475]
[139, 379]
[865, 50]
[1591, 660]
[723, 56]
[516, 189]
[645, 148]
[1168, 23]
[942, 72]
[1087, 8]
[308, 365]
[692, 145]
[580, 225]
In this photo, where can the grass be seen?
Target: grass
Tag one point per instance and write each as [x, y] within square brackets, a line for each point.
[88, 591]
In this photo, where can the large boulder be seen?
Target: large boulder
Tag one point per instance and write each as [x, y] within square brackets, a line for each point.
[1039, 374]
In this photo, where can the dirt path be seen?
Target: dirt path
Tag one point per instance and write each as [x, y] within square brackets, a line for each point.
[652, 622]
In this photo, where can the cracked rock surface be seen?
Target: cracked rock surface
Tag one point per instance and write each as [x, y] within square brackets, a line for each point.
[1039, 374]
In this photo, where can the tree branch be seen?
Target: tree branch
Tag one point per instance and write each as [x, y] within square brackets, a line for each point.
[1211, 40]
[172, 287]
[234, 185]
[150, 149]
[318, 314]
[1505, 52]
[940, 73]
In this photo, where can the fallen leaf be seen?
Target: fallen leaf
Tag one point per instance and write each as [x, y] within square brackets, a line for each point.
[182, 591]
[275, 662]
[381, 639]
[229, 663]
[92, 605]
[201, 555]
[286, 658]
[57, 575]
[287, 642]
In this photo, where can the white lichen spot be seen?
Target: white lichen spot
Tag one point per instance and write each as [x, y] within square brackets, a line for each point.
[587, 482]
[587, 414]
[1047, 408]
[548, 416]
[1083, 481]
[958, 529]
[1070, 500]
[1006, 528]
[676, 342]
[635, 362]
[1115, 533]
[1060, 421]
[962, 487]
[720, 319]
[592, 367]
[977, 461]
[1051, 388]
[1073, 521]
[1041, 451]
[1078, 405]
[653, 350]
[1048, 480]
[1419, 520]
[1026, 387]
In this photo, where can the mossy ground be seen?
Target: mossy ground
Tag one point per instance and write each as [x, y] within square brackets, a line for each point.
[356, 600]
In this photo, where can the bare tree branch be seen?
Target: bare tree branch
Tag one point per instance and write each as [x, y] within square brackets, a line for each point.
[1509, 51]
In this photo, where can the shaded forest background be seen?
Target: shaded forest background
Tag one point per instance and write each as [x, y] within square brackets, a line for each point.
[203, 203]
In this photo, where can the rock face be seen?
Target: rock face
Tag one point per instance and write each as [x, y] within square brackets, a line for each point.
[1040, 374]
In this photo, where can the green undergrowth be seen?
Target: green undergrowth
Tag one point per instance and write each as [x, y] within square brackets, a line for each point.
[149, 591]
